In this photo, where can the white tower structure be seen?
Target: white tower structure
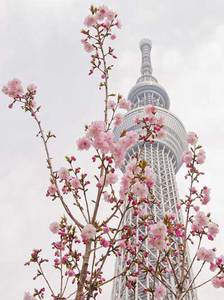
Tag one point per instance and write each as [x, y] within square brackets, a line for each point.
[164, 156]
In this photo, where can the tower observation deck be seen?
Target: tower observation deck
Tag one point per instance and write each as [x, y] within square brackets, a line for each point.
[164, 157]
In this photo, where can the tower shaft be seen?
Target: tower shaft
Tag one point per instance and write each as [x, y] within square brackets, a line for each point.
[164, 157]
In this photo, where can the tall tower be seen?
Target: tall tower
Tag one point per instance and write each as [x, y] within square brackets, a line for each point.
[164, 156]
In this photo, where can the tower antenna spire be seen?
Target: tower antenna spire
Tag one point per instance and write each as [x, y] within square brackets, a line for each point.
[146, 67]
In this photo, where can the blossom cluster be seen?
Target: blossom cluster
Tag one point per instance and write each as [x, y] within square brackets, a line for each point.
[139, 176]
[66, 256]
[159, 236]
[202, 225]
[13, 88]
[196, 154]
[103, 141]
[99, 26]
[201, 222]
[15, 91]
[147, 122]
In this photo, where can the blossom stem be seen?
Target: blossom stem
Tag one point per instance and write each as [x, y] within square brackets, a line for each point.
[45, 278]
[49, 164]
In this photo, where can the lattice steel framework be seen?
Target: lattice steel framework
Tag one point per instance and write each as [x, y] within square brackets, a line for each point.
[164, 156]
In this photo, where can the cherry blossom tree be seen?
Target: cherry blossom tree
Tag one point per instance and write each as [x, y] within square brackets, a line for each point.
[84, 240]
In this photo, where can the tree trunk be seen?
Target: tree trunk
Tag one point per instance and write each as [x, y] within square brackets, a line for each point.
[83, 273]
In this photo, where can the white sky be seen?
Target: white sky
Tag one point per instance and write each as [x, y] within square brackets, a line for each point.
[40, 43]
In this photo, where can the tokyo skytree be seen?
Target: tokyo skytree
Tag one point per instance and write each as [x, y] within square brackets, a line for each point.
[163, 156]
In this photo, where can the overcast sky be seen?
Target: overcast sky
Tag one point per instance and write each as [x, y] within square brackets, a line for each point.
[40, 43]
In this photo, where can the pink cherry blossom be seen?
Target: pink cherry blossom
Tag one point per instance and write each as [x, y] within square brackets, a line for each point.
[150, 109]
[192, 138]
[88, 47]
[83, 143]
[113, 36]
[75, 183]
[88, 232]
[133, 168]
[118, 24]
[52, 189]
[160, 292]
[200, 220]
[109, 138]
[108, 198]
[54, 227]
[96, 128]
[201, 254]
[136, 120]
[106, 23]
[118, 152]
[111, 104]
[63, 174]
[90, 21]
[110, 15]
[151, 118]
[118, 119]
[159, 233]
[125, 181]
[201, 156]
[149, 172]
[70, 273]
[123, 104]
[158, 242]
[213, 230]
[205, 195]
[218, 282]
[111, 178]
[196, 208]
[187, 157]
[122, 244]
[205, 255]
[13, 88]
[159, 229]
[150, 177]
[140, 190]
[213, 267]
[32, 88]
[210, 256]
[161, 134]
[102, 12]
[104, 243]
[130, 139]
[28, 296]
[220, 260]
[102, 142]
